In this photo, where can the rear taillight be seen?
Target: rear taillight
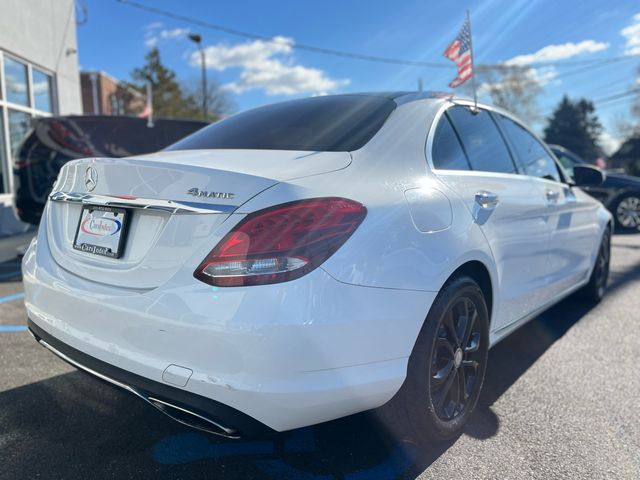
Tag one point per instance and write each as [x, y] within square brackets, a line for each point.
[281, 243]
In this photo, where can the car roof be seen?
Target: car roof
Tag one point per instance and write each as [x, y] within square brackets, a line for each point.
[402, 97]
[121, 119]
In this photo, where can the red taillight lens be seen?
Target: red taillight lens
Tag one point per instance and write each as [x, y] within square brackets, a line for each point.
[281, 243]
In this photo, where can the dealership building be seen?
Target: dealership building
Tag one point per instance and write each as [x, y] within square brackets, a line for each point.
[38, 77]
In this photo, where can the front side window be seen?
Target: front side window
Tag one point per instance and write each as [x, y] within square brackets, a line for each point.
[482, 141]
[566, 164]
[534, 158]
[15, 79]
[339, 123]
[447, 151]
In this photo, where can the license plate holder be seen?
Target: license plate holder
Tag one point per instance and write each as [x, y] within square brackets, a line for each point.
[101, 230]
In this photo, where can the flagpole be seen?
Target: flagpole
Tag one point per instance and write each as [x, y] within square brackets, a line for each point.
[473, 68]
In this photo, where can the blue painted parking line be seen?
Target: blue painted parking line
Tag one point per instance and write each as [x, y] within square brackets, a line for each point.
[10, 275]
[12, 328]
[11, 298]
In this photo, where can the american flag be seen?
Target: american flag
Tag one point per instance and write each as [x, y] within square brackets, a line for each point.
[460, 52]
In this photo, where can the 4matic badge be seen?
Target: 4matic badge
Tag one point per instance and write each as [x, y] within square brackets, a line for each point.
[203, 193]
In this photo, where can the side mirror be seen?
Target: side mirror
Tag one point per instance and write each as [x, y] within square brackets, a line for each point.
[588, 176]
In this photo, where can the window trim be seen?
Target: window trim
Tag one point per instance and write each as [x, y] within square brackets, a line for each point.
[442, 111]
[5, 105]
[457, 135]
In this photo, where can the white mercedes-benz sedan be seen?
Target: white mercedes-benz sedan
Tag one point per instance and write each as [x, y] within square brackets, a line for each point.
[307, 260]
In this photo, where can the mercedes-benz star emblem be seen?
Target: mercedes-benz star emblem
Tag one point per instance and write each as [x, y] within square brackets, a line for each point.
[90, 178]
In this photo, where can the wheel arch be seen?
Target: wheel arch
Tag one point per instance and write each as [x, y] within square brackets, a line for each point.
[479, 272]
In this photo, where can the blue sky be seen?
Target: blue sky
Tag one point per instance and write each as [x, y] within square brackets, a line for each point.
[116, 37]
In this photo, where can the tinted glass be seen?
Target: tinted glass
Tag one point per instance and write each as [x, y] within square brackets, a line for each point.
[19, 125]
[42, 91]
[482, 140]
[334, 124]
[533, 157]
[3, 160]
[447, 151]
[15, 79]
[566, 163]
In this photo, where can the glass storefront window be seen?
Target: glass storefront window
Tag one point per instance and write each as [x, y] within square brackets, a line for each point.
[3, 160]
[15, 78]
[19, 125]
[42, 88]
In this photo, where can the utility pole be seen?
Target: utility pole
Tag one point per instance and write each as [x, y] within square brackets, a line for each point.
[197, 39]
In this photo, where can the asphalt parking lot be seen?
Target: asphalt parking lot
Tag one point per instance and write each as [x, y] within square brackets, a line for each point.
[561, 400]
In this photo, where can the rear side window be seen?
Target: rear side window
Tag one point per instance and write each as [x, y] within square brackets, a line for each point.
[533, 157]
[447, 151]
[482, 141]
[338, 123]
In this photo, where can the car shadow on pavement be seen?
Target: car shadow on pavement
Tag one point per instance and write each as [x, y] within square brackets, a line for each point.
[73, 426]
[513, 356]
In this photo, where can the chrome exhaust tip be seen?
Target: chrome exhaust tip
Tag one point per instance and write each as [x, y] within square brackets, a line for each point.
[192, 419]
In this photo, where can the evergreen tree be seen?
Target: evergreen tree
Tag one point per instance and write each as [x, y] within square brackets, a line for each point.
[169, 100]
[574, 125]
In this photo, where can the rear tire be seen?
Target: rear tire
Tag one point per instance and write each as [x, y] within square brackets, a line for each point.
[446, 368]
[594, 290]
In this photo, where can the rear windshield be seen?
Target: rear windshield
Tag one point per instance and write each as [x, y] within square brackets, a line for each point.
[331, 124]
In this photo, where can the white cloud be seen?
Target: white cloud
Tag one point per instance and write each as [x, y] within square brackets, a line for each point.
[153, 26]
[542, 76]
[551, 53]
[268, 65]
[609, 143]
[151, 41]
[632, 34]
[175, 33]
[154, 33]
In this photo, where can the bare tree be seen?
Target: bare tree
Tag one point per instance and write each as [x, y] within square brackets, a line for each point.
[219, 102]
[512, 87]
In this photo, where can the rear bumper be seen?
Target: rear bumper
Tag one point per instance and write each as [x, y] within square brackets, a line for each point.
[183, 406]
[284, 356]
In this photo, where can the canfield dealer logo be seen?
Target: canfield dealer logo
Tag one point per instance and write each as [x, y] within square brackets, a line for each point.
[100, 227]
[90, 178]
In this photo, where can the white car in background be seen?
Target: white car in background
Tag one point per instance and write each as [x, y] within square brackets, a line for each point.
[311, 259]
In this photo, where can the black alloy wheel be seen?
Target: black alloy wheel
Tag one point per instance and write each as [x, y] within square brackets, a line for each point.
[456, 359]
[594, 290]
[446, 367]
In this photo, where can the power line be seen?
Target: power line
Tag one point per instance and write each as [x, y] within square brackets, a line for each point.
[600, 102]
[616, 96]
[299, 46]
[347, 54]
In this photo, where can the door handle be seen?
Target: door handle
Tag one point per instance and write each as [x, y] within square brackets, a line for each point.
[552, 196]
[487, 200]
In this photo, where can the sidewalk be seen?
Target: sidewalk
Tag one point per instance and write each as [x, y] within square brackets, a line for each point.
[14, 245]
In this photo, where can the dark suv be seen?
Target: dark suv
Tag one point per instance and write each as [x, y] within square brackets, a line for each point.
[53, 141]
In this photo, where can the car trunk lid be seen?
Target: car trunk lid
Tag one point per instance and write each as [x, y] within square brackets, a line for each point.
[176, 201]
